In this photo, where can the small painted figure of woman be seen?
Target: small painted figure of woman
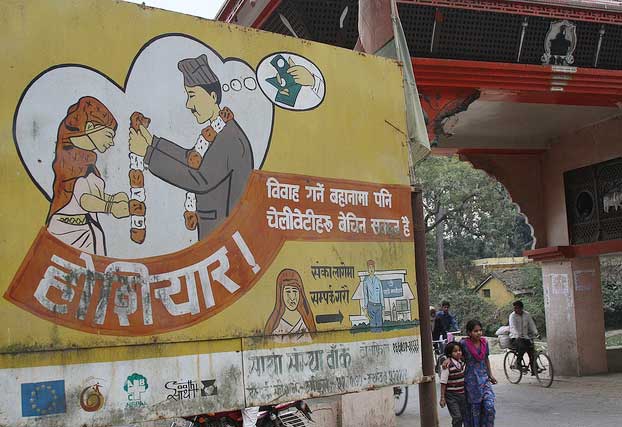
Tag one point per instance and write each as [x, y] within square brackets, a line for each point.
[78, 191]
[292, 313]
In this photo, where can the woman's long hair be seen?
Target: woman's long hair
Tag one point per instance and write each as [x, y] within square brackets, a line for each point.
[71, 162]
[289, 277]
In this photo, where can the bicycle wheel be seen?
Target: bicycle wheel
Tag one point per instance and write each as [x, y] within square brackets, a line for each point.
[512, 367]
[544, 370]
[400, 395]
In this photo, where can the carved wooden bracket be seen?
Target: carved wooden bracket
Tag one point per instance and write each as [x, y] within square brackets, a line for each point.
[441, 103]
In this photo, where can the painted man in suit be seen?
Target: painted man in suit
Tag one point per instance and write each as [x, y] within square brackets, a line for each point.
[373, 297]
[214, 172]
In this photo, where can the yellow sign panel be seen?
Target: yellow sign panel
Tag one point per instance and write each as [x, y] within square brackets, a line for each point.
[180, 181]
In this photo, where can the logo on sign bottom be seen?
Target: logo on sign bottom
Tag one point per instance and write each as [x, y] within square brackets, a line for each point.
[135, 385]
[91, 399]
[43, 398]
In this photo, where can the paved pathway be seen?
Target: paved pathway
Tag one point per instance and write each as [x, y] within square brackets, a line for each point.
[570, 402]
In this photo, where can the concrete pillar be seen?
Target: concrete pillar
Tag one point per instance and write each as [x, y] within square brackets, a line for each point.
[368, 409]
[326, 411]
[574, 316]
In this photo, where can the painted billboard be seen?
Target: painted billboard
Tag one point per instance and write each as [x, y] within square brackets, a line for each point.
[196, 217]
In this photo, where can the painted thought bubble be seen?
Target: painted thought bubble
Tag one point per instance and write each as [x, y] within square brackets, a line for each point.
[291, 81]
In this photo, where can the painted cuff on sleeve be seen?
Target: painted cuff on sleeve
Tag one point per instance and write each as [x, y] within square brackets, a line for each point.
[317, 85]
[150, 148]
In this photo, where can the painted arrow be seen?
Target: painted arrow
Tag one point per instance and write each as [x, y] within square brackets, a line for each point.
[329, 318]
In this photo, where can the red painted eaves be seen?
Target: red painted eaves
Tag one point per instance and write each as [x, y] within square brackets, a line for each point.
[522, 83]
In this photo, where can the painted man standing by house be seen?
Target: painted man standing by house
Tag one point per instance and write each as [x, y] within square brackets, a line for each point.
[214, 172]
[373, 299]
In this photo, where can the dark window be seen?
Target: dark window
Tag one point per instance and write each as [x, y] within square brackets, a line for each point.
[402, 305]
[486, 293]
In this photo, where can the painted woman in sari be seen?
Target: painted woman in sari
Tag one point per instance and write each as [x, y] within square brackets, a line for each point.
[79, 194]
[292, 313]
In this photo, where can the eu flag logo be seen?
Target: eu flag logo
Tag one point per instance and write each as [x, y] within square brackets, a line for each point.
[43, 398]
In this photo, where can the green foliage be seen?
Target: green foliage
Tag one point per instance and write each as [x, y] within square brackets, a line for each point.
[475, 214]
[480, 217]
[614, 341]
[611, 282]
[478, 220]
[534, 304]
[465, 304]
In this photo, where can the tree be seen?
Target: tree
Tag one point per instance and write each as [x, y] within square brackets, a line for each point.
[470, 215]
[465, 304]
[611, 282]
[534, 303]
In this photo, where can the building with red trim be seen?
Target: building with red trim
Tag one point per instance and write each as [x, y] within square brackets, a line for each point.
[531, 93]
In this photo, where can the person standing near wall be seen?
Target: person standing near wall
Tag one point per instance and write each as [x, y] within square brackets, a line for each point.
[478, 379]
[452, 384]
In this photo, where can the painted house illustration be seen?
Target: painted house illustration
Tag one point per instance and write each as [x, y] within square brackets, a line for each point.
[397, 296]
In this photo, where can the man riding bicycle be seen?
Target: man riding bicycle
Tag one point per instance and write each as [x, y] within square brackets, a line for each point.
[522, 333]
[444, 323]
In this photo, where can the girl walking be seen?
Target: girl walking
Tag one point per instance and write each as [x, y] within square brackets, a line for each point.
[478, 378]
[452, 384]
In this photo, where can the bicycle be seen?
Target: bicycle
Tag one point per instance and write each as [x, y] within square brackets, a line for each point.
[515, 369]
[400, 396]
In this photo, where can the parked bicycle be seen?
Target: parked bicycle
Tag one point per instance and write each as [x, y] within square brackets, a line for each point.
[515, 369]
[400, 396]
